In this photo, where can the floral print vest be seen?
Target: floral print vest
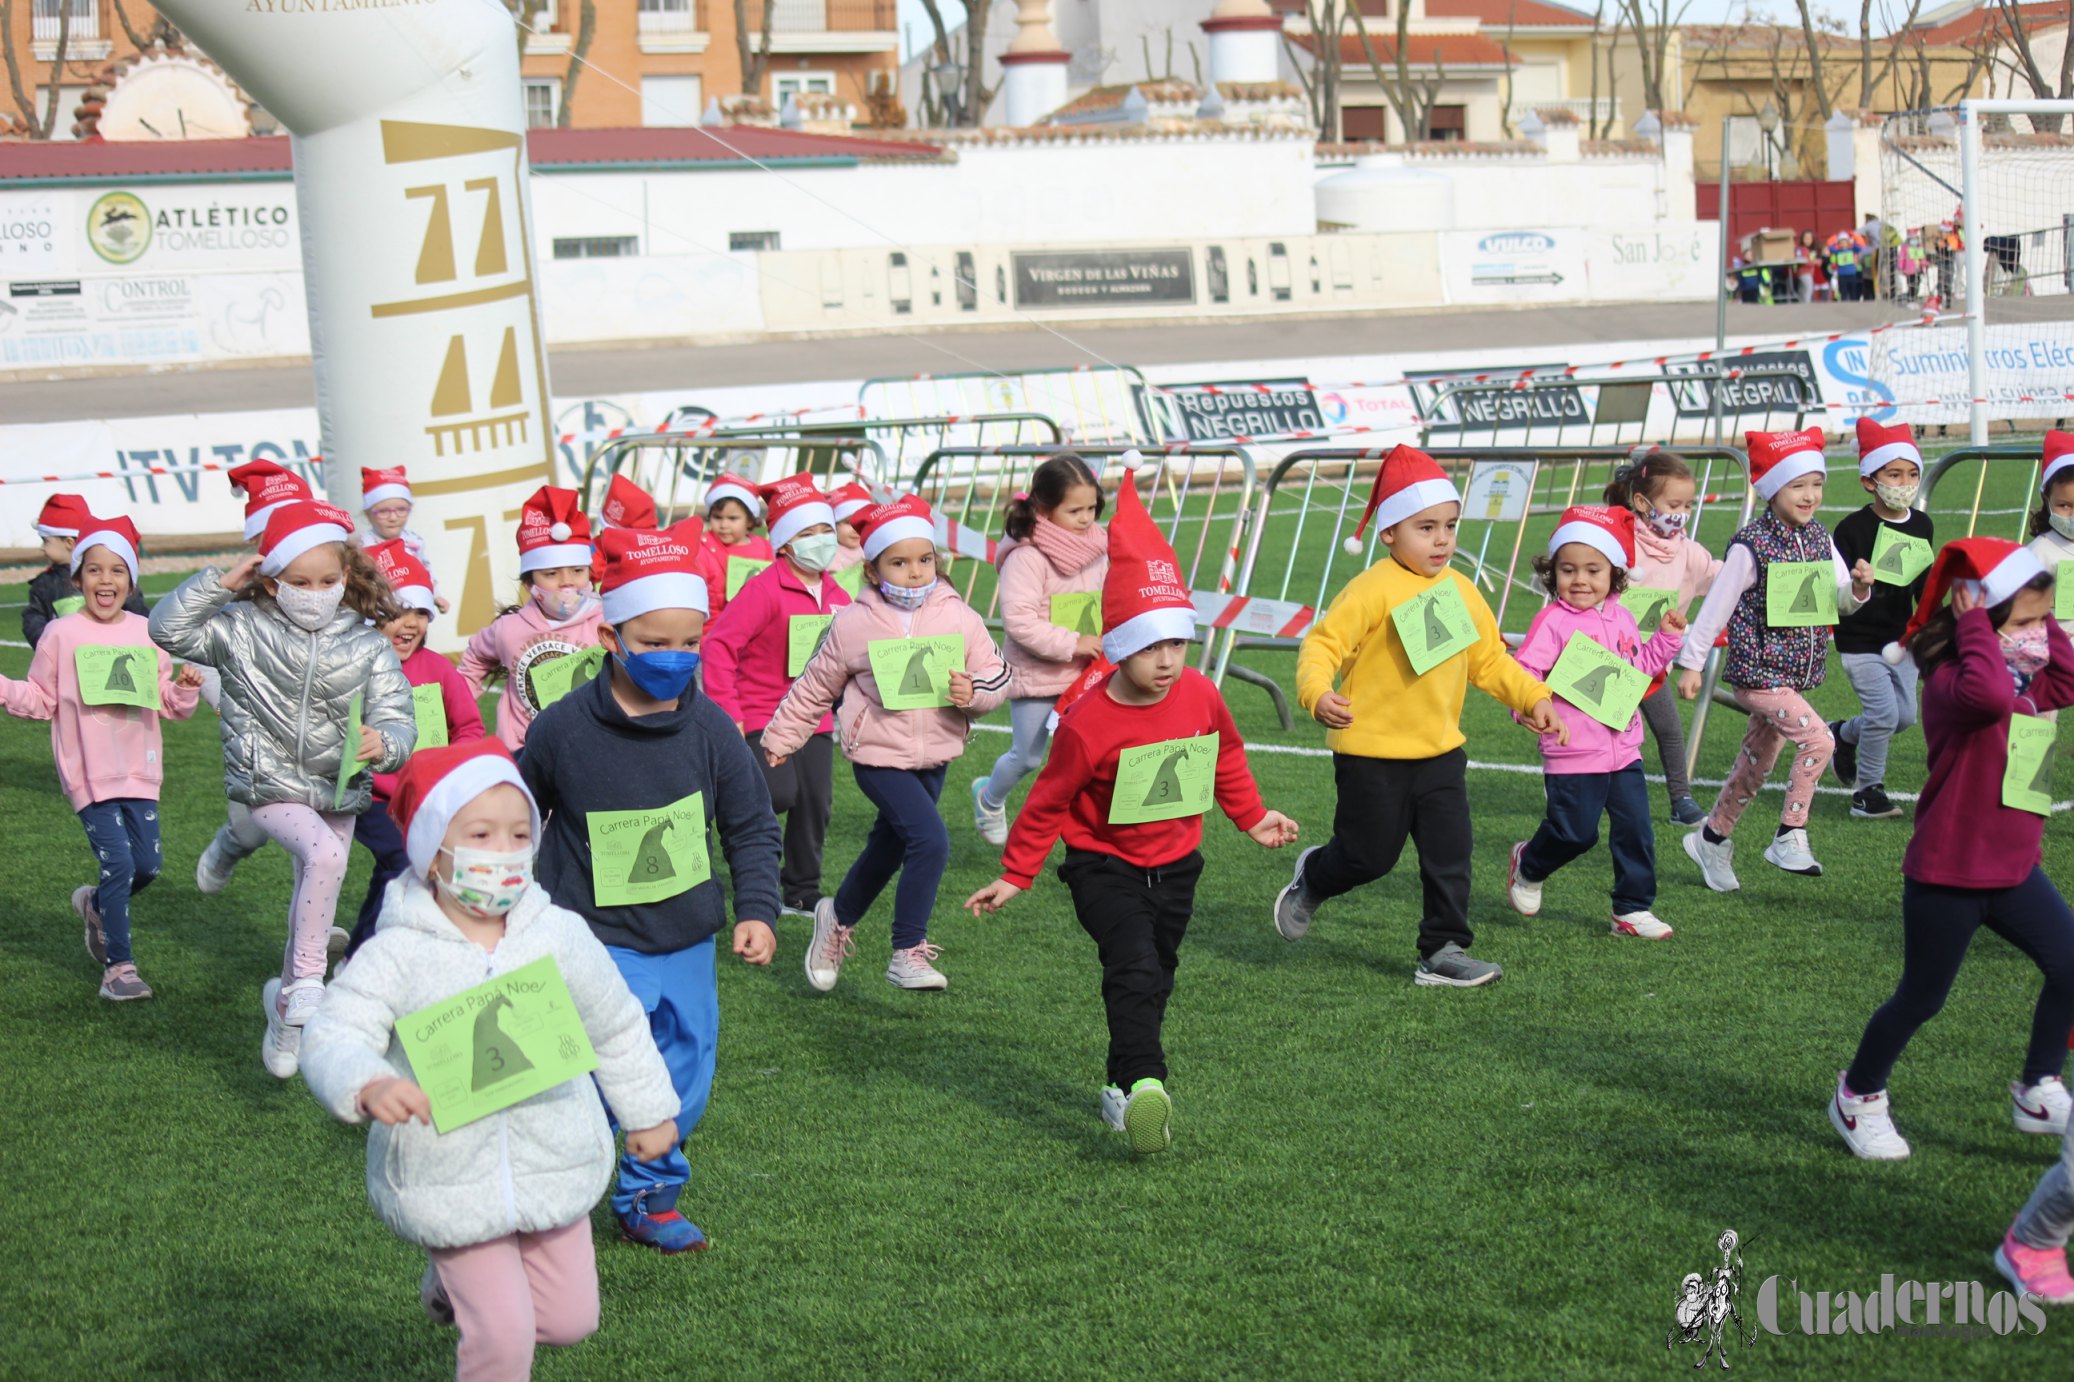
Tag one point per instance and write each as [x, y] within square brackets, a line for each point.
[1761, 657]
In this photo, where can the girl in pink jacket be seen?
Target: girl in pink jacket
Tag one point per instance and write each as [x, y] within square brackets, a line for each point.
[1598, 769]
[1056, 547]
[103, 686]
[921, 667]
[557, 613]
[734, 551]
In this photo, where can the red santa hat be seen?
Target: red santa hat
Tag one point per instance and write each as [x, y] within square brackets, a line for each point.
[552, 531]
[1409, 482]
[436, 783]
[380, 486]
[643, 571]
[627, 505]
[882, 525]
[735, 487]
[62, 516]
[408, 579]
[118, 535]
[1991, 567]
[1605, 528]
[795, 503]
[849, 499]
[2058, 455]
[1879, 445]
[296, 528]
[266, 487]
[1777, 459]
[1143, 600]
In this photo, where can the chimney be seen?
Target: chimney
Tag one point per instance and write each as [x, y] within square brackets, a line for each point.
[1033, 70]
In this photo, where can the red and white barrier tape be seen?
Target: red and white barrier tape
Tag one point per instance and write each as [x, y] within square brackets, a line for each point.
[1247, 614]
[156, 472]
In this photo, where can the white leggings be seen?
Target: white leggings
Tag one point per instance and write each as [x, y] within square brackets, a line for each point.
[321, 844]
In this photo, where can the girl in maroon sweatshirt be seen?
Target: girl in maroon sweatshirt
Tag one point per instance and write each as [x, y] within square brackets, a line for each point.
[1991, 662]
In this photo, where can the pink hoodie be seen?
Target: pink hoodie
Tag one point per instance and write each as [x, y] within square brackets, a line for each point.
[1593, 748]
[463, 719]
[497, 648]
[1672, 563]
[870, 733]
[103, 752]
[1043, 659]
[742, 662]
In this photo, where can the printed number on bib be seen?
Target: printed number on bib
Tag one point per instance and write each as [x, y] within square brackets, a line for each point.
[1602, 684]
[915, 673]
[648, 856]
[118, 676]
[497, 1044]
[803, 634]
[1647, 606]
[1897, 558]
[1165, 781]
[2027, 777]
[1434, 626]
[1800, 594]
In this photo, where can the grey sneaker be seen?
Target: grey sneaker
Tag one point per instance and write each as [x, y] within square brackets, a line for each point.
[280, 1050]
[1716, 861]
[90, 917]
[1790, 852]
[989, 820]
[1114, 1101]
[1453, 967]
[212, 869]
[120, 984]
[1294, 906]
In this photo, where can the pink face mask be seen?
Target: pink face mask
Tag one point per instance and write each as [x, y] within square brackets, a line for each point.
[2026, 652]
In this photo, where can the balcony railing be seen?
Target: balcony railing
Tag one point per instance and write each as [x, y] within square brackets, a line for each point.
[673, 16]
[86, 21]
[832, 16]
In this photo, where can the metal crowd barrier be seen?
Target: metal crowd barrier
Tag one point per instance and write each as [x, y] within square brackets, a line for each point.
[1094, 404]
[676, 468]
[2002, 458]
[906, 441]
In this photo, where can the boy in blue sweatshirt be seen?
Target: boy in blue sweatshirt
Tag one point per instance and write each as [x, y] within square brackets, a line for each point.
[632, 771]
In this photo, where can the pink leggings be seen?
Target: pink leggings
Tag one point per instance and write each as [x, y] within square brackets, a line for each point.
[1778, 716]
[321, 844]
[517, 1291]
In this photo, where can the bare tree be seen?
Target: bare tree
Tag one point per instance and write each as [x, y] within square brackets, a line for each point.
[1821, 87]
[40, 124]
[2017, 34]
[1867, 83]
[1410, 97]
[977, 96]
[586, 30]
[1328, 21]
[1652, 23]
[755, 58]
[160, 32]
[1505, 95]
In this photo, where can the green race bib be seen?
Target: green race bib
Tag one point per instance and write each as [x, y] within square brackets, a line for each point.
[1800, 594]
[1897, 558]
[915, 673]
[1081, 612]
[71, 604]
[1434, 625]
[497, 1044]
[1601, 683]
[349, 765]
[429, 708]
[647, 856]
[2027, 778]
[851, 578]
[739, 570]
[1647, 606]
[557, 677]
[118, 676]
[803, 634]
[1165, 781]
[2063, 592]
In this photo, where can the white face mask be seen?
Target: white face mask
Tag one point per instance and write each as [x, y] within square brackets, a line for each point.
[486, 882]
[309, 609]
[813, 553]
[906, 596]
[2063, 524]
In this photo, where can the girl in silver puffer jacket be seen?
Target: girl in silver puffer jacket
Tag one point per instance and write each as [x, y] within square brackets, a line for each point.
[288, 630]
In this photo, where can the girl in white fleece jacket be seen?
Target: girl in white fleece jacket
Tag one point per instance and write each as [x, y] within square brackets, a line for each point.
[501, 1204]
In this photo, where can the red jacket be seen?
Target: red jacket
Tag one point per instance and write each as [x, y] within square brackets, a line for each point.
[463, 718]
[745, 654]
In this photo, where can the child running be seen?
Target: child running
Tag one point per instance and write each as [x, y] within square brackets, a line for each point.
[501, 1204]
[1598, 769]
[1403, 642]
[1897, 541]
[556, 610]
[1658, 486]
[444, 707]
[1780, 588]
[734, 552]
[292, 631]
[2033, 1254]
[752, 653]
[97, 679]
[847, 502]
[53, 593]
[1138, 762]
[1991, 660]
[2052, 523]
[635, 770]
[385, 501]
[919, 668]
[1056, 548]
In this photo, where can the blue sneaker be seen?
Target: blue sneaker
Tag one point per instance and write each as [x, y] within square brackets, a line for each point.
[654, 1222]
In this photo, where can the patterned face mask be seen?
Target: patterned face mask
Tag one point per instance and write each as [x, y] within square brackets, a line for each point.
[1895, 496]
[2026, 652]
[309, 609]
[1665, 524]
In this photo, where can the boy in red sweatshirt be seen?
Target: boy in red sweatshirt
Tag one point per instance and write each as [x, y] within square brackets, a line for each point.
[1135, 764]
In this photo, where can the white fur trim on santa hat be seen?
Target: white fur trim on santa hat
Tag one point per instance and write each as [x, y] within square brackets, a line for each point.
[1414, 498]
[1592, 536]
[799, 517]
[52, 530]
[843, 508]
[1141, 631]
[437, 811]
[561, 554]
[896, 530]
[2010, 575]
[415, 597]
[113, 541]
[298, 542]
[255, 523]
[1789, 468]
[383, 493]
[1872, 460]
[2059, 464]
[663, 590]
[733, 491]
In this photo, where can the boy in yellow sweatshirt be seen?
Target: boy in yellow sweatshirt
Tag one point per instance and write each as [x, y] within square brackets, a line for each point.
[1403, 641]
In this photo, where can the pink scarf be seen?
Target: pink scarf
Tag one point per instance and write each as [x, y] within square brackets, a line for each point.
[1657, 549]
[1068, 552]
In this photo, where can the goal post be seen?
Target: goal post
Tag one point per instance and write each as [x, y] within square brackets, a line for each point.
[1982, 209]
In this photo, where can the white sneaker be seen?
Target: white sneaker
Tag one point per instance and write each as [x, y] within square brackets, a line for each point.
[303, 997]
[1790, 852]
[1642, 923]
[910, 968]
[829, 947]
[1866, 1125]
[990, 821]
[2040, 1107]
[1524, 896]
[803, 913]
[1717, 862]
[1113, 1102]
[335, 942]
[281, 1049]
[212, 871]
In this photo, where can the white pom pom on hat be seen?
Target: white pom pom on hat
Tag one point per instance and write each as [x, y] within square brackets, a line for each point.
[560, 532]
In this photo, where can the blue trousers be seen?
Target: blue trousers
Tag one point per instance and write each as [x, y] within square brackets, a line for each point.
[124, 834]
[1575, 802]
[384, 841]
[682, 998]
[909, 838]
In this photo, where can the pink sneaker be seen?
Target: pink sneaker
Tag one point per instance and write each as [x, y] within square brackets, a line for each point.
[2039, 1272]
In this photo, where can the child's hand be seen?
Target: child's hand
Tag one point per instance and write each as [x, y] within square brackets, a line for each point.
[992, 898]
[1688, 684]
[755, 941]
[1090, 645]
[1861, 575]
[1544, 721]
[776, 760]
[1274, 830]
[370, 745]
[1333, 711]
[240, 576]
[189, 677]
[1964, 599]
[652, 1144]
[394, 1100]
[440, 602]
[960, 693]
[1672, 620]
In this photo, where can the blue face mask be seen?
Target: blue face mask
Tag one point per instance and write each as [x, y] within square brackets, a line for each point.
[660, 675]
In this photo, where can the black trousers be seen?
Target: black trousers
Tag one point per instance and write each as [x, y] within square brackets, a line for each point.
[803, 792]
[1382, 803]
[1137, 918]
